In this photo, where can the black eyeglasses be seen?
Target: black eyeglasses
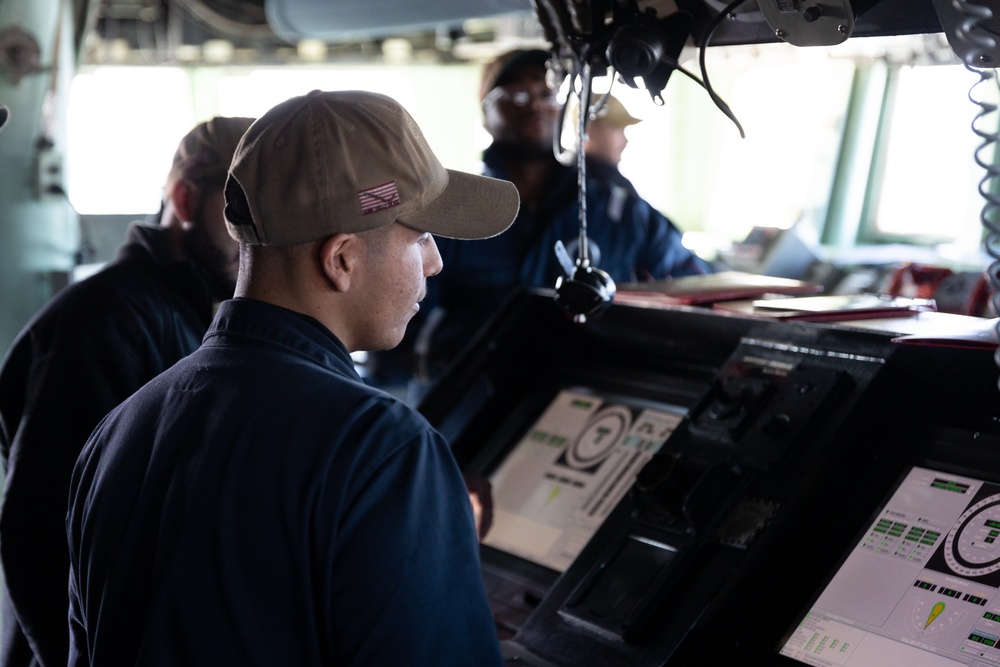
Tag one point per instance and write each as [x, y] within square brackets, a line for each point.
[522, 98]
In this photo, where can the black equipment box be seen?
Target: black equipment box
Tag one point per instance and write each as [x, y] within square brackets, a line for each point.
[682, 487]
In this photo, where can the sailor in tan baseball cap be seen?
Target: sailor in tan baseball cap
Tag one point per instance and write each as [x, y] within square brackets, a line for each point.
[334, 197]
[606, 138]
[268, 435]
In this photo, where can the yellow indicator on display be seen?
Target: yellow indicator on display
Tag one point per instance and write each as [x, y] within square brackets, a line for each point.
[935, 612]
[557, 489]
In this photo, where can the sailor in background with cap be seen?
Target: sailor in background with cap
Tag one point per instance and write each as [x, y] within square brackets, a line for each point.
[606, 141]
[258, 504]
[87, 350]
[632, 242]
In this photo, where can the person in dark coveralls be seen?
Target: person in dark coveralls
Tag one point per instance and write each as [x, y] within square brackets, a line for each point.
[258, 503]
[87, 350]
[629, 239]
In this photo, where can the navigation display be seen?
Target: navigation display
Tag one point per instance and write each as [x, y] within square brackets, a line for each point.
[569, 470]
[920, 588]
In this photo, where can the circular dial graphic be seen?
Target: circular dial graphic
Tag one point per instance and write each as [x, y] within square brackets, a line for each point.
[969, 548]
[599, 437]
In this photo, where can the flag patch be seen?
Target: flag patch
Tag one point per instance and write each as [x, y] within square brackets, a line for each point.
[379, 198]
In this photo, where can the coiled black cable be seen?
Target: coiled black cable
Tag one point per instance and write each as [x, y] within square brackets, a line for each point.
[978, 43]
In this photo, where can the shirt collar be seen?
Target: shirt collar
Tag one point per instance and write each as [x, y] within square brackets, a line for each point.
[296, 332]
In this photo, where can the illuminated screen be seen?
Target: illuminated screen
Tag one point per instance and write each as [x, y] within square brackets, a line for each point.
[920, 588]
[569, 470]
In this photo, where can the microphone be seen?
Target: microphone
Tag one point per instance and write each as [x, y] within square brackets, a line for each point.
[584, 290]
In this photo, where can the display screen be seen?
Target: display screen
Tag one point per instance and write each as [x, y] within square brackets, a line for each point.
[920, 588]
[569, 470]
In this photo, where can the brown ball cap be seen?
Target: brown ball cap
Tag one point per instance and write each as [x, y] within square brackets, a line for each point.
[204, 154]
[347, 162]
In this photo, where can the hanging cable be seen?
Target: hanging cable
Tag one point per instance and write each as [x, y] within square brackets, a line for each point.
[583, 290]
[583, 111]
[706, 84]
[564, 155]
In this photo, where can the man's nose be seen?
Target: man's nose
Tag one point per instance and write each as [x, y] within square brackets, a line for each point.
[432, 260]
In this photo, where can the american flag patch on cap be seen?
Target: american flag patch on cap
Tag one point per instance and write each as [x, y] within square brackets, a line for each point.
[378, 198]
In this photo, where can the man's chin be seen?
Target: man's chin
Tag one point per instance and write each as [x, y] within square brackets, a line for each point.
[387, 343]
[527, 150]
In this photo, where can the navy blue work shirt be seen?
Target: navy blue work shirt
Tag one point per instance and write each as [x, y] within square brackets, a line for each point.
[628, 238]
[83, 353]
[258, 504]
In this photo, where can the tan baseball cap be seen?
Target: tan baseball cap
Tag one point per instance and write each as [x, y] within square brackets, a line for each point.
[615, 113]
[352, 161]
[204, 154]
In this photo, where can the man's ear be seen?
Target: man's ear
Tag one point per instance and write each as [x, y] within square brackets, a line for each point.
[186, 198]
[339, 258]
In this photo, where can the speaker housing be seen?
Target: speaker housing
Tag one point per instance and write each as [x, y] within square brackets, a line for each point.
[811, 22]
[973, 35]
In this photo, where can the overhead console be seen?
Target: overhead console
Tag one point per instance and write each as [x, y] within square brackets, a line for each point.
[755, 21]
[680, 487]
